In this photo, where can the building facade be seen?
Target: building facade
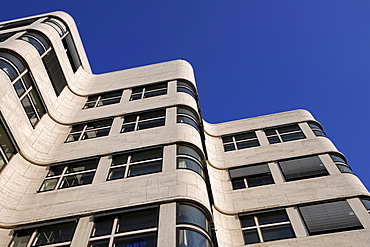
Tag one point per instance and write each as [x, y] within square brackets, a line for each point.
[124, 159]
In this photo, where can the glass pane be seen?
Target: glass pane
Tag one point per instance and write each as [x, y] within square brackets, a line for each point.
[7, 68]
[189, 238]
[251, 236]
[27, 80]
[103, 226]
[272, 217]
[37, 102]
[247, 144]
[188, 120]
[137, 220]
[120, 159]
[245, 136]
[73, 137]
[31, 114]
[238, 184]
[100, 243]
[78, 127]
[13, 60]
[319, 133]
[289, 128]
[145, 168]
[49, 184]
[226, 139]
[270, 132]
[130, 118]
[293, 136]
[89, 105]
[109, 101]
[114, 94]
[136, 96]
[40, 38]
[344, 168]
[185, 111]
[116, 173]
[186, 150]
[273, 139]
[95, 133]
[156, 86]
[33, 42]
[128, 128]
[336, 157]
[260, 180]
[186, 163]
[229, 147]
[149, 94]
[19, 88]
[56, 234]
[137, 90]
[79, 179]
[147, 155]
[83, 166]
[247, 221]
[99, 124]
[152, 114]
[6, 144]
[277, 232]
[151, 124]
[314, 125]
[192, 215]
[366, 202]
[21, 239]
[2, 161]
[137, 240]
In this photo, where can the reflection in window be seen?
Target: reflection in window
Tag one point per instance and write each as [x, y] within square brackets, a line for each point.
[148, 91]
[190, 158]
[189, 214]
[284, 133]
[109, 98]
[7, 144]
[144, 120]
[240, 141]
[263, 227]
[341, 163]
[188, 116]
[250, 176]
[134, 228]
[136, 163]
[191, 238]
[90, 130]
[316, 128]
[24, 86]
[70, 175]
[186, 87]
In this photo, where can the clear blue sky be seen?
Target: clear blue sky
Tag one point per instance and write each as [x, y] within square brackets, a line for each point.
[251, 58]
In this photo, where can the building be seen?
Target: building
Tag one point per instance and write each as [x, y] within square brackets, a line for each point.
[125, 159]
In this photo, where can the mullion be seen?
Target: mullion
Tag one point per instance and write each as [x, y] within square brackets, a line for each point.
[129, 158]
[61, 176]
[97, 101]
[82, 133]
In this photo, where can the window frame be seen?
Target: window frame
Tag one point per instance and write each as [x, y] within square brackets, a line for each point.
[366, 204]
[9, 138]
[341, 163]
[316, 128]
[82, 132]
[187, 115]
[278, 136]
[255, 175]
[144, 90]
[100, 98]
[199, 162]
[138, 120]
[235, 141]
[186, 86]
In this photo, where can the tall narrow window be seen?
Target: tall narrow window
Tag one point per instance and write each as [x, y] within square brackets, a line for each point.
[148, 91]
[190, 158]
[284, 133]
[188, 116]
[240, 141]
[316, 128]
[49, 59]
[67, 41]
[341, 163]
[250, 176]
[7, 144]
[90, 130]
[108, 98]
[144, 120]
[186, 87]
[23, 83]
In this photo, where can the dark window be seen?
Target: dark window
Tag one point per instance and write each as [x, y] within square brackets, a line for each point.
[136, 163]
[188, 116]
[122, 229]
[316, 128]
[191, 238]
[240, 141]
[250, 176]
[366, 203]
[8, 146]
[69, 175]
[148, 91]
[144, 120]
[24, 86]
[301, 168]
[284, 133]
[109, 98]
[189, 214]
[268, 226]
[16, 24]
[186, 87]
[5, 36]
[190, 158]
[90, 130]
[341, 163]
[329, 217]
[45, 235]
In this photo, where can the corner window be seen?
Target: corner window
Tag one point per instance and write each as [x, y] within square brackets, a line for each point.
[24, 86]
[317, 129]
[90, 130]
[193, 226]
[189, 158]
[148, 91]
[366, 203]
[284, 133]
[132, 228]
[240, 141]
[136, 163]
[70, 175]
[329, 217]
[45, 235]
[186, 87]
[264, 227]
[250, 176]
[188, 116]
[145, 120]
[8, 146]
[109, 98]
[49, 59]
[341, 163]
[302, 168]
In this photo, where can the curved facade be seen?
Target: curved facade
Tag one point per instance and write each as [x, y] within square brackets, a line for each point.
[125, 159]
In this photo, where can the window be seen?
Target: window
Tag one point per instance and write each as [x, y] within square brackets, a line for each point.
[317, 129]
[341, 163]
[136, 163]
[70, 175]
[329, 217]
[8, 147]
[190, 158]
[366, 203]
[148, 91]
[186, 87]
[5, 36]
[268, 226]
[16, 24]
[144, 120]
[67, 41]
[133, 228]
[301, 168]
[24, 86]
[193, 226]
[284, 133]
[188, 116]
[109, 98]
[49, 59]
[46, 234]
[90, 130]
[240, 141]
[250, 176]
